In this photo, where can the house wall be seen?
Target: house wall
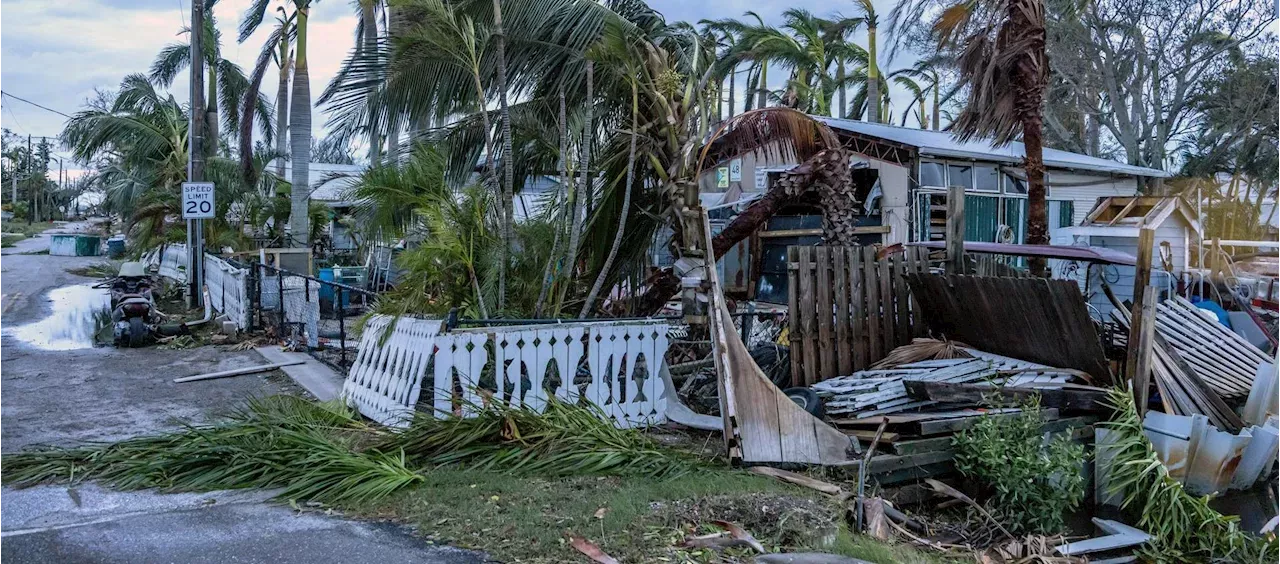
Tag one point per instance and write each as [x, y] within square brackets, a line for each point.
[1175, 231]
[1085, 197]
[895, 185]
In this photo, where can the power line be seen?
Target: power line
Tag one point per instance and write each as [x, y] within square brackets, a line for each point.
[34, 104]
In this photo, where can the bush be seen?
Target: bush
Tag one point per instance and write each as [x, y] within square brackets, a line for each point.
[1033, 482]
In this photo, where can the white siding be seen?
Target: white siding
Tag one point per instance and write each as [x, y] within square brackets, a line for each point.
[1085, 197]
[895, 205]
[1120, 278]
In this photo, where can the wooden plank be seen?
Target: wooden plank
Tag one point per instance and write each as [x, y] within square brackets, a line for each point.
[872, 291]
[794, 330]
[825, 306]
[915, 474]
[901, 303]
[885, 278]
[844, 351]
[858, 312]
[917, 261]
[955, 230]
[1065, 399]
[808, 322]
[922, 445]
[1142, 321]
[952, 425]
[867, 435]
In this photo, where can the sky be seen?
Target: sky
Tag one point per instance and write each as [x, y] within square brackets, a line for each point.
[56, 53]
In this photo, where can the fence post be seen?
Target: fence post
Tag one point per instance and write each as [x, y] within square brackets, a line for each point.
[342, 330]
[280, 281]
[955, 230]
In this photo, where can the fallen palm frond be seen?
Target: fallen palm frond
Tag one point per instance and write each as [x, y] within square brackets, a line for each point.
[1183, 527]
[921, 350]
[96, 270]
[563, 440]
[274, 442]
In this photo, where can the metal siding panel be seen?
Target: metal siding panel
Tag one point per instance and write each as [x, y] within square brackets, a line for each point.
[981, 218]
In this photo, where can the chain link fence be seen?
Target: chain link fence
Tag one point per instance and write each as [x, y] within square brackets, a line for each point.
[307, 313]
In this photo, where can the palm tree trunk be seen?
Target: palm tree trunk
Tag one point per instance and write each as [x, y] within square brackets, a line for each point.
[508, 164]
[583, 188]
[840, 81]
[1037, 210]
[924, 118]
[282, 104]
[733, 75]
[368, 45]
[873, 76]
[937, 114]
[626, 207]
[300, 140]
[552, 271]
[211, 139]
[763, 85]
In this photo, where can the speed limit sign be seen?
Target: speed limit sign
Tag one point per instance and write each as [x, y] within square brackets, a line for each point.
[197, 200]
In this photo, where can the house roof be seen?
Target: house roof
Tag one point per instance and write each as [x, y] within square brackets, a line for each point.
[1135, 212]
[1100, 255]
[941, 144]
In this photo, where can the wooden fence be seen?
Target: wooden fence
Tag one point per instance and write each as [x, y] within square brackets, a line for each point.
[848, 308]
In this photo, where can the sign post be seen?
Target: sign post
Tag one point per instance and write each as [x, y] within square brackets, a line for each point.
[197, 206]
[197, 200]
[196, 151]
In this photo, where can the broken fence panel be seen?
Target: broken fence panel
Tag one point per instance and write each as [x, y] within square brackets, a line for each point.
[614, 366]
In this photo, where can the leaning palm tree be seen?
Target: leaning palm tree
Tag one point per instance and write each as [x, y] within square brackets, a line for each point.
[1000, 47]
[926, 73]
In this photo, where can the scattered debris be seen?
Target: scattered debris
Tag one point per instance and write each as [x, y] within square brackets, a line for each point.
[876, 392]
[178, 342]
[237, 371]
[922, 349]
[1119, 535]
[798, 479]
[591, 550]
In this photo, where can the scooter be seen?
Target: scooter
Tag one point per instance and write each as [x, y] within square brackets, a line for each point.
[133, 311]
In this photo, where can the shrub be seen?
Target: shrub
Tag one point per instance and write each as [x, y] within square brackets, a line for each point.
[1033, 482]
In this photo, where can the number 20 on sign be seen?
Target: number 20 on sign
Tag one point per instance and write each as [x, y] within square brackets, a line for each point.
[197, 200]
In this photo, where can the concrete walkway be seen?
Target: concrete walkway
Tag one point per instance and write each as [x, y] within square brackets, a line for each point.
[314, 376]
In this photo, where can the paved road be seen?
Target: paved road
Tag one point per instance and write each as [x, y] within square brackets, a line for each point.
[82, 394]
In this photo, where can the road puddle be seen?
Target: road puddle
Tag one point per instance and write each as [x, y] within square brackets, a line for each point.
[78, 313]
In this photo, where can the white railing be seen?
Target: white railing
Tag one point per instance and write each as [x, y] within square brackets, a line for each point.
[613, 365]
[228, 285]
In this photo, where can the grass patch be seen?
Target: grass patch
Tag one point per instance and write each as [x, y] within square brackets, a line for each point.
[97, 270]
[7, 240]
[27, 229]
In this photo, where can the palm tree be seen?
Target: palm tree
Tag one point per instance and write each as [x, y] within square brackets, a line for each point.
[811, 48]
[508, 170]
[872, 22]
[1003, 66]
[926, 73]
[300, 133]
[225, 82]
[275, 48]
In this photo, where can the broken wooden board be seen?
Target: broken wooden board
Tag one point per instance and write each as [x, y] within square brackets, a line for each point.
[762, 425]
[1065, 398]
[1038, 320]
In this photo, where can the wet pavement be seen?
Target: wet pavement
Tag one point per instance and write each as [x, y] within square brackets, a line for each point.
[59, 389]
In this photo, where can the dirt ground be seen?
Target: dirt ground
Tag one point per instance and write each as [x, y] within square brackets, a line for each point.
[99, 393]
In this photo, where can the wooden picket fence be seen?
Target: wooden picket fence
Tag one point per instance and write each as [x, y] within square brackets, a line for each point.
[848, 308]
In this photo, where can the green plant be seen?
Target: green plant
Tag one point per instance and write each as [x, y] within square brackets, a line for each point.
[563, 440]
[274, 442]
[1034, 482]
[1184, 528]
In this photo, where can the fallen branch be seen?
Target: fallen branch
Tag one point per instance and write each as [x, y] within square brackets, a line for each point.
[797, 479]
[591, 550]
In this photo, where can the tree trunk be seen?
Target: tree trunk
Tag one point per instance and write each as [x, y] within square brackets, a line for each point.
[873, 76]
[282, 105]
[924, 118]
[733, 75]
[626, 207]
[300, 141]
[211, 137]
[583, 189]
[552, 270]
[842, 113]
[937, 105]
[763, 86]
[794, 183]
[508, 165]
[368, 46]
[1037, 210]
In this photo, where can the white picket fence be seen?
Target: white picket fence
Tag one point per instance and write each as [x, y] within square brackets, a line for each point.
[613, 365]
[228, 285]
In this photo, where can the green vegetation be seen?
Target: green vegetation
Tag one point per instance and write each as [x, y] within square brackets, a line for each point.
[96, 270]
[1184, 528]
[9, 240]
[1033, 485]
[26, 228]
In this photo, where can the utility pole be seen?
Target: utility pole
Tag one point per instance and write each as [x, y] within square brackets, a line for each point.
[195, 155]
[31, 159]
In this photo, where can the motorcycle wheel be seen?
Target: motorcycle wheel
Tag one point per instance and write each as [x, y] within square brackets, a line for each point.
[137, 332]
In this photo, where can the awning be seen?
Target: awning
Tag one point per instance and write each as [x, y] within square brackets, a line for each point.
[1101, 255]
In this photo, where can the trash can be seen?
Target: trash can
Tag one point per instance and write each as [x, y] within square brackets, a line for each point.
[115, 247]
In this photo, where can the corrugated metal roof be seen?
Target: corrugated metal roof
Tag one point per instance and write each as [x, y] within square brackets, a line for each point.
[942, 144]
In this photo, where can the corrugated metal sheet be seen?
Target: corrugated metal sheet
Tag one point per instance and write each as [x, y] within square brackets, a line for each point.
[981, 217]
[1207, 460]
[943, 144]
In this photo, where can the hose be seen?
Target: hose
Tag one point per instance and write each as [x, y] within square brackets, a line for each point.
[208, 311]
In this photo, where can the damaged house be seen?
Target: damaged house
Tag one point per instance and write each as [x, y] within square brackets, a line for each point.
[902, 176]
